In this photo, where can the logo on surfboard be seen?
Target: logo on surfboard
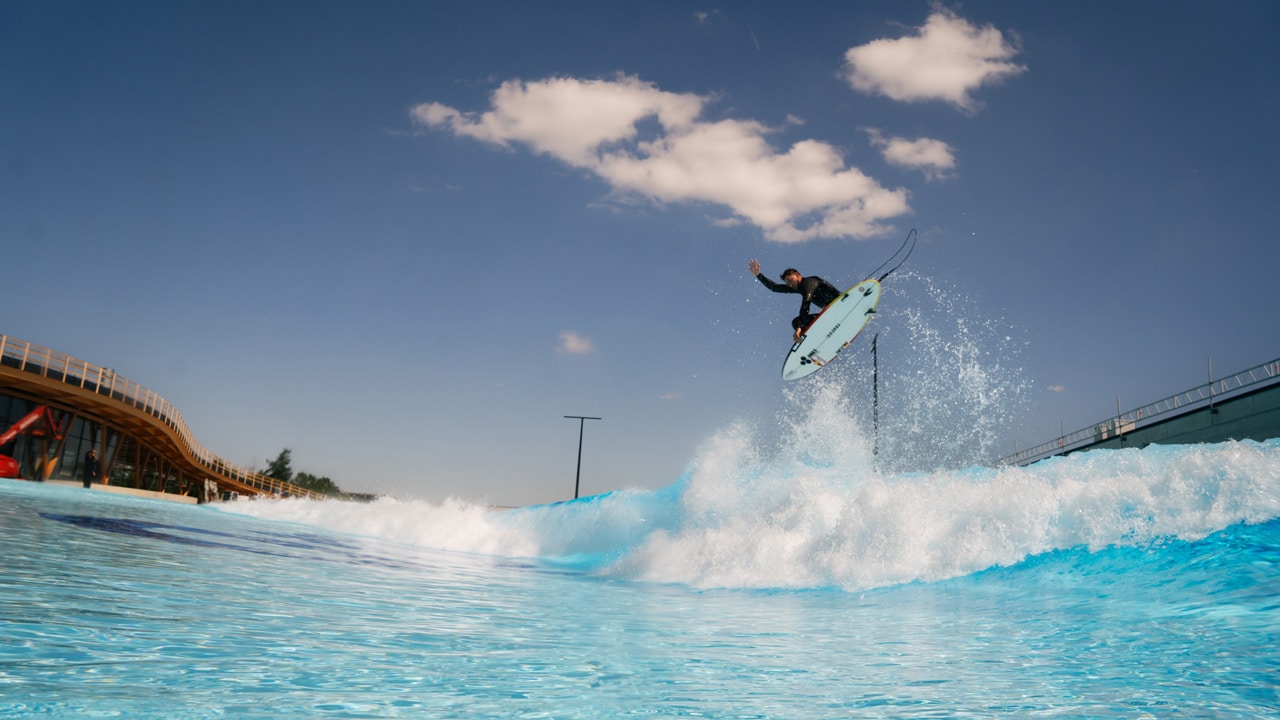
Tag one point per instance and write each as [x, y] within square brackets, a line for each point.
[813, 358]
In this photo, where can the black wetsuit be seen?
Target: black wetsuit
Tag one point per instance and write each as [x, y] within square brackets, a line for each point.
[813, 288]
[90, 468]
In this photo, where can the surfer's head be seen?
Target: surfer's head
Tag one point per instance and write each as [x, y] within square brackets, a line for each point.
[792, 277]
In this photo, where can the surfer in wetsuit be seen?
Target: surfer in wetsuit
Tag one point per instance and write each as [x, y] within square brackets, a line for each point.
[813, 289]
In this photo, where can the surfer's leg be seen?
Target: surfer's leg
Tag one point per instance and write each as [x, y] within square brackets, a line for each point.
[799, 324]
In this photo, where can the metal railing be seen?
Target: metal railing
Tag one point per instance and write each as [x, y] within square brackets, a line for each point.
[1196, 398]
[55, 365]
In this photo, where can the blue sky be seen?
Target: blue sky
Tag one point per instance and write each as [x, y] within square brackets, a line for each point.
[405, 239]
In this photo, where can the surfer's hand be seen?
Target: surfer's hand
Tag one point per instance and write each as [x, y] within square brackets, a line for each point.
[754, 266]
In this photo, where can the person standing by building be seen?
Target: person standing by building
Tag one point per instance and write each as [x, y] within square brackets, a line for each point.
[91, 467]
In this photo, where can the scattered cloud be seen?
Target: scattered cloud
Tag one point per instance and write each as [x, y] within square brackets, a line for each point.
[932, 157]
[669, 396]
[802, 193]
[571, 343]
[418, 188]
[1057, 388]
[946, 59]
[726, 222]
[569, 119]
[705, 17]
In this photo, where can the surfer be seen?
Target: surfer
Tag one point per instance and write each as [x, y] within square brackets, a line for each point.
[813, 289]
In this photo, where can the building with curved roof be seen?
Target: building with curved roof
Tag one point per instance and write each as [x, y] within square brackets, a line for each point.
[140, 440]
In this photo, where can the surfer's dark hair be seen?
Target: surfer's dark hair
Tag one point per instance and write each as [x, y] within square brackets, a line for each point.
[788, 271]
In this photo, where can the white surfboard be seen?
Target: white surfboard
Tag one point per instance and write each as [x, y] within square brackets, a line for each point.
[836, 326]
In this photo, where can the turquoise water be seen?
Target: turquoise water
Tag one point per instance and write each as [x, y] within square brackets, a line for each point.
[792, 582]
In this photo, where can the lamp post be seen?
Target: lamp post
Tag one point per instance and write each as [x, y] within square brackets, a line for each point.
[582, 421]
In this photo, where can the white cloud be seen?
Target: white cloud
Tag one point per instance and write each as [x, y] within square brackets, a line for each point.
[803, 193]
[566, 118]
[945, 60]
[571, 343]
[932, 157]
[669, 396]
[1057, 388]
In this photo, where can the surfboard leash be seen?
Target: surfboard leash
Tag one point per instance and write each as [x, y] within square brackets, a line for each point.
[909, 244]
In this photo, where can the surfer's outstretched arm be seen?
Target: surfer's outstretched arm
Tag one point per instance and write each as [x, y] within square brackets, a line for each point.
[753, 266]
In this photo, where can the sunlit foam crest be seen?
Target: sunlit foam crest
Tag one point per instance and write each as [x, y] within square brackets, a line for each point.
[743, 518]
[754, 517]
[823, 527]
[452, 525]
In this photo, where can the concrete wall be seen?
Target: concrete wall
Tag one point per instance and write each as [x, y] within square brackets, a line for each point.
[1253, 416]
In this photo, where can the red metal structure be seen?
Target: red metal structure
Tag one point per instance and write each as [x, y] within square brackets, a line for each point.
[38, 423]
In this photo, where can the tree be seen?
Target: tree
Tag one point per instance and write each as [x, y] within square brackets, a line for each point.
[280, 468]
[322, 485]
